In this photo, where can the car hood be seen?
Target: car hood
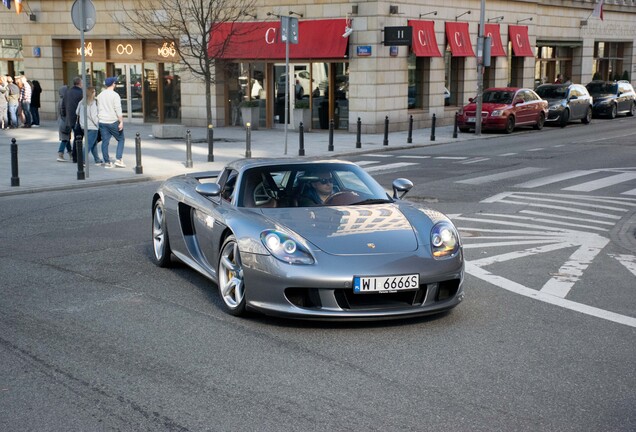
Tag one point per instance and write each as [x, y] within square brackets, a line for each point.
[486, 106]
[603, 98]
[350, 230]
[554, 101]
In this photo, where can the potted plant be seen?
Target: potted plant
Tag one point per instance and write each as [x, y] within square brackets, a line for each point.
[302, 113]
[250, 112]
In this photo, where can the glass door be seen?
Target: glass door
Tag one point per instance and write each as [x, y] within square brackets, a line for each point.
[130, 88]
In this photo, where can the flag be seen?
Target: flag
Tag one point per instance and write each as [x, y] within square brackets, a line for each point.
[18, 6]
[7, 3]
[596, 13]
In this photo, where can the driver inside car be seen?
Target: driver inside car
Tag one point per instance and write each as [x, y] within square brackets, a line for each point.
[317, 190]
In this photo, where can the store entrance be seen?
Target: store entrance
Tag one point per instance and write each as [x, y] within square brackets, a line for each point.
[130, 88]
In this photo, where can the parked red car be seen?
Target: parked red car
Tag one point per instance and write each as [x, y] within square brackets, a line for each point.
[505, 108]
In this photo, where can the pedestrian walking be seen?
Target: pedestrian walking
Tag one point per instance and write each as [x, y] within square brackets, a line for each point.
[92, 122]
[111, 122]
[64, 132]
[69, 109]
[25, 100]
[36, 91]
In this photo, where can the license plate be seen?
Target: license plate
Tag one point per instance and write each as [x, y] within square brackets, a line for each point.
[383, 284]
[470, 119]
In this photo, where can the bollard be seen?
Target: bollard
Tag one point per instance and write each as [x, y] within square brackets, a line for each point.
[248, 140]
[301, 139]
[188, 163]
[15, 179]
[210, 143]
[331, 126]
[359, 134]
[433, 128]
[455, 125]
[409, 139]
[138, 168]
[386, 131]
[79, 141]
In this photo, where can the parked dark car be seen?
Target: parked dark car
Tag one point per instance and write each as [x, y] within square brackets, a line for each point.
[612, 98]
[566, 102]
[505, 108]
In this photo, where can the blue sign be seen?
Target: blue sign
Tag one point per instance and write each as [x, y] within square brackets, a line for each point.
[363, 51]
[37, 52]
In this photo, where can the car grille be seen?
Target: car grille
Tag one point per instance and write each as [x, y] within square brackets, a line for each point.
[309, 298]
[484, 114]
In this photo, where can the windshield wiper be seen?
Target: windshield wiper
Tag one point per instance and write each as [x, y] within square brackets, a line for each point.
[373, 201]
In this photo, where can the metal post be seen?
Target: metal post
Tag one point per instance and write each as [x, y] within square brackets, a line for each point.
[359, 134]
[455, 125]
[138, 168]
[480, 68]
[248, 140]
[301, 139]
[210, 143]
[81, 175]
[188, 163]
[386, 131]
[15, 179]
[331, 126]
[433, 128]
[409, 139]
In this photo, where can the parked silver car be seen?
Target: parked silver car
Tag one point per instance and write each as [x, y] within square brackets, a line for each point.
[566, 103]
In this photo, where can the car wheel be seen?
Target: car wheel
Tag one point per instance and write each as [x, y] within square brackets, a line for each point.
[588, 116]
[540, 122]
[231, 284]
[565, 118]
[632, 111]
[613, 112]
[160, 239]
[510, 125]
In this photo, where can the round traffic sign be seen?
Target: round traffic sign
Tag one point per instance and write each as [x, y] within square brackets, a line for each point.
[89, 15]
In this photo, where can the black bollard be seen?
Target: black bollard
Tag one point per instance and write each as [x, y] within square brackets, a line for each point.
[433, 128]
[359, 134]
[188, 163]
[331, 127]
[409, 139]
[386, 131]
[210, 143]
[15, 179]
[248, 140]
[138, 168]
[301, 139]
[81, 174]
[455, 125]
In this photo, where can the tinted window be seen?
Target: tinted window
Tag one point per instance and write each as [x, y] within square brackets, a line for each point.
[552, 92]
[602, 88]
[498, 96]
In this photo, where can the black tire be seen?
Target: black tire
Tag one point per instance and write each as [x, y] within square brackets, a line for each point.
[613, 112]
[588, 116]
[632, 111]
[540, 122]
[231, 284]
[160, 240]
[510, 125]
[565, 118]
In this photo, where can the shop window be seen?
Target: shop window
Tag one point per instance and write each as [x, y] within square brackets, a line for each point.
[419, 72]
[454, 77]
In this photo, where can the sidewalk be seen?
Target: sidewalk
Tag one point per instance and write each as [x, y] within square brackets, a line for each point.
[39, 171]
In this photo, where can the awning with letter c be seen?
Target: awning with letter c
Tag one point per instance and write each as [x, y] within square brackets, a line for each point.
[458, 38]
[317, 39]
[520, 41]
[496, 47]
[424, 42]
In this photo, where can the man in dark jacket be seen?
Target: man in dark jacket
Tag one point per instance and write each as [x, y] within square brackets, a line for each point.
[36, 90]
[70, 102]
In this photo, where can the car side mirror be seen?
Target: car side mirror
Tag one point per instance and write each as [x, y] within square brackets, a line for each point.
[471, 100]
[208, 189]
[573, 97]
[401, 185]
[518, 101]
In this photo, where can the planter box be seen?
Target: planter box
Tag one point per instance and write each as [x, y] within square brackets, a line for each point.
[302, 115]
[250, 115]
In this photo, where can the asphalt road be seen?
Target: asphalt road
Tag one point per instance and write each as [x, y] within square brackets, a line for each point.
[94, 337]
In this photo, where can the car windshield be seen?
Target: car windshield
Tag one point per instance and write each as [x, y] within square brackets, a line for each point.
[309, 185]
[598, 89]
[498, 96]
[552, 92]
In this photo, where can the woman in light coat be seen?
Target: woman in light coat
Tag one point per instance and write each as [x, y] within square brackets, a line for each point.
[92, 122]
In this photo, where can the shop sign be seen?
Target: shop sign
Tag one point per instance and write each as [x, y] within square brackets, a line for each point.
[363, 51]
[398, 35]
[167, 51]
[88, 50]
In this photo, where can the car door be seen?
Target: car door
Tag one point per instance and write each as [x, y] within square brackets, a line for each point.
[520, 107]
[574, 97]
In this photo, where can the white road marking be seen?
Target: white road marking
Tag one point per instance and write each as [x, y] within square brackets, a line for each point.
[378, 155]
[452, 157]
[596, 221]
[536, 149]
[571, 201]
[630, 192]
[507, 154]
[476, 160]
[364, 163]
[547, 221]
[501, 176]
[602, 183]
[414, 157]
[629, 261]
[554, 179]
[567, 209]
[389, 166]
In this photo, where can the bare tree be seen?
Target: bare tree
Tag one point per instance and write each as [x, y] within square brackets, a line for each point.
[189, 23]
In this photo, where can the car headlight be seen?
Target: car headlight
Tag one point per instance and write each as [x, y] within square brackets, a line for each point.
[444, 240]
[496, 113]
[557, 107]
[285, 248]
[605, 102]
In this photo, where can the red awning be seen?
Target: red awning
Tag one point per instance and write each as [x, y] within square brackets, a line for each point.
[520, 41]
[317, 39]
[459, 39]
[424, 40]
[496, 47]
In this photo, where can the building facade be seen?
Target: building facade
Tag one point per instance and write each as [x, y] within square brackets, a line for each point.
[353, 60]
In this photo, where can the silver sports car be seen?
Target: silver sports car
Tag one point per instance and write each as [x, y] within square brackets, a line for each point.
[318, 239]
